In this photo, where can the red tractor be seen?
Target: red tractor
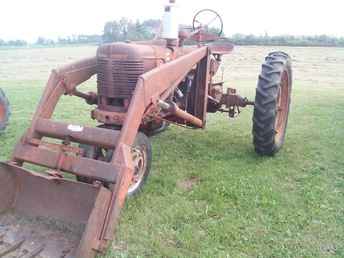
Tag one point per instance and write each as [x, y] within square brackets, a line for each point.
[141, 87]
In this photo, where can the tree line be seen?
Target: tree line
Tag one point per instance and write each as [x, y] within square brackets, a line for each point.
[125, 29]
[288, 40]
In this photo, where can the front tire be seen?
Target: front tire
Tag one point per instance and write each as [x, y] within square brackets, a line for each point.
[142, 159]
[270, 117]
[155, 128]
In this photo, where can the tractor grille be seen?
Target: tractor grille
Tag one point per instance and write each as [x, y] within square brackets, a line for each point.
[117, 78]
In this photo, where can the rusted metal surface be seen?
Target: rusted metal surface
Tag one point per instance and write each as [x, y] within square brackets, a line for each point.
[119, 66]
[234, 102]
[61, 161]
[201, 83]
[91, 241]
[81, 134]
[44, 217]
[221, 48]
[51, 196]
[282, 106]
[187, 117]
[12, 248]
[133, 80]
[108, 117]
[232, 99]
[91, 97]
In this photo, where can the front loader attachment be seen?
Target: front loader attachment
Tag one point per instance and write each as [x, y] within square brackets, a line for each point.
[44, 215]
[47, 218]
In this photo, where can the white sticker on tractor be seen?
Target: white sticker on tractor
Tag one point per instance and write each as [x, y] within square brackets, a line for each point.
[75, 128]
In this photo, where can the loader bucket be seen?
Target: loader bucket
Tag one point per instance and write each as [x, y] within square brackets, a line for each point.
[45, 218]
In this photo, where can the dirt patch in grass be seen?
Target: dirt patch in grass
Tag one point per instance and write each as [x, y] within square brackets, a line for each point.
[188, 184]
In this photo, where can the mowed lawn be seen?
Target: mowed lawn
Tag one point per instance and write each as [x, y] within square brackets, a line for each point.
[209, 194]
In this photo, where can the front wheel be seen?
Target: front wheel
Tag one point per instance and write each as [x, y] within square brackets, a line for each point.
[271, 110]
[155, 128]
[141, 155]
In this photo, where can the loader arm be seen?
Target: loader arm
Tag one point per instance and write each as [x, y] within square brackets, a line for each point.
[62, 81]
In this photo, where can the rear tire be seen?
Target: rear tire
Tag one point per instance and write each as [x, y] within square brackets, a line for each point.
[5, 111]
[270, 117]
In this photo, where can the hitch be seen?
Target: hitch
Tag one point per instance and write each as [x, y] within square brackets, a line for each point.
[234, 102]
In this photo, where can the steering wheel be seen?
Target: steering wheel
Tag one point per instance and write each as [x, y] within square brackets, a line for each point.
[208, 20]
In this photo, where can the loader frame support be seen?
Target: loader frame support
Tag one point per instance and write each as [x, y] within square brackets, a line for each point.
[152, 87]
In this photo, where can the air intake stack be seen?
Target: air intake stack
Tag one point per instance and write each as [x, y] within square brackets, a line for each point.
[170, 22]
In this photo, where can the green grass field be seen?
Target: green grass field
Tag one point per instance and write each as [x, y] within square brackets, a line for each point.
[209, 194]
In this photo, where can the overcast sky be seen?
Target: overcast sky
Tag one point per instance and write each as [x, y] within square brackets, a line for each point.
[29, 19]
